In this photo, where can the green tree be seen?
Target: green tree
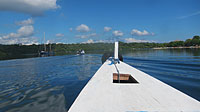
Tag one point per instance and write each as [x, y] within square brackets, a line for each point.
[2, 55]
[196, 37]
[195, 40]
[188, 42]
[176, 44]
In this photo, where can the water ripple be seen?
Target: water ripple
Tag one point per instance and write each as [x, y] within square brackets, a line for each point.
[52, 83]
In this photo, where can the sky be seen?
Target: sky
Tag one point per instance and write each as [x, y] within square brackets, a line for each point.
[91, 21]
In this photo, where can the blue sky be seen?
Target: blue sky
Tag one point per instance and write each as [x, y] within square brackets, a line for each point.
[73, 21]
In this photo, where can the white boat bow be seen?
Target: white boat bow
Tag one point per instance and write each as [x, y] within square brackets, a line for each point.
[149, 94]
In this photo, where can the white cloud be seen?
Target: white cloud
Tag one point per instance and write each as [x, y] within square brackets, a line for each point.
[98, 41]
[107, 29]
[82, 28]
[25, 22]
[130, 40]
[26, 31]
[117, 33]
[24, 41]
[28, 40]
[140, 33]
[89, 41]
[49, 41]
[104, 41]
[86, 36]
[32, 7]
[193, 14]
[23, 31]
[23, 35]
[59, 35]
[70, 29]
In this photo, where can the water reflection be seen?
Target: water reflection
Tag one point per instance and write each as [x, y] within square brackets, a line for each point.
[165, 53]
[53, 83]
[86, 64]
[179, 68]
[42, 100]
[44, 84]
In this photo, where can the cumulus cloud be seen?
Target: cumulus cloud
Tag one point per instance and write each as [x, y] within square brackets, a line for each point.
[117, 33]
[98, 41]
[24, 41]
[32, 7]
[86, 36]
[27, 40]
[23, 31]
[25, 22]
[89, 41]
[59, 35]
[107, 29]
[130, 40]
[82, 28]
[23, 35]
[49, 41]
[140, 33]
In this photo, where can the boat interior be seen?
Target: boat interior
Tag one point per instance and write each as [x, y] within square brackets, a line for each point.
[124, 78]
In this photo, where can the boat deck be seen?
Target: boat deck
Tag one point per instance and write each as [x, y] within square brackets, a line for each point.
[149, 94]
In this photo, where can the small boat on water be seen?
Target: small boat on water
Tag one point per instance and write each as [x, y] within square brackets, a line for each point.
[118, 87]
[80, 52]
[45, 53]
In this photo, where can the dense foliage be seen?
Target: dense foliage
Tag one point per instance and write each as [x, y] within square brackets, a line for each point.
[24, 51]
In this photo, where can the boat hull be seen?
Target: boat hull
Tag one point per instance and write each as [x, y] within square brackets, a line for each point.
[149, 94]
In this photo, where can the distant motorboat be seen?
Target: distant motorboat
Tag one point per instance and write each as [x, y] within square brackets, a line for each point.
[80, 52]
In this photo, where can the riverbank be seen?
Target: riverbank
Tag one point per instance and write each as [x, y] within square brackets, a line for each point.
[17, 51]
[182, 47]
[64, 49]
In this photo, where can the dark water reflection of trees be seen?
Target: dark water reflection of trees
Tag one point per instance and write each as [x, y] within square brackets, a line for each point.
[163, 52]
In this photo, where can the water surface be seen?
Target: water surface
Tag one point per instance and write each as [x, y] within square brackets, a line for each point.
[52, 83]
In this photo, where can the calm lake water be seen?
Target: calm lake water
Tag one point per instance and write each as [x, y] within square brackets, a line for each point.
[52, 83]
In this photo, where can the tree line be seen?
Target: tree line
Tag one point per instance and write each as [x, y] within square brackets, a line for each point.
[25, 51]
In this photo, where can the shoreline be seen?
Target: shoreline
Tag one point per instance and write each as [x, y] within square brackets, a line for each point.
[183, 47]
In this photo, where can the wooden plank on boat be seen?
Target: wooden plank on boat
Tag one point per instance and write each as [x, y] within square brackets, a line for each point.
[149, 94]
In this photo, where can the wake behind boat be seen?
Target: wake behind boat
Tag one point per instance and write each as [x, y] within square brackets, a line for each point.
[118, 87]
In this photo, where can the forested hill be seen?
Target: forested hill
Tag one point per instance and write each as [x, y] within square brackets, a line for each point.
[24, 51]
